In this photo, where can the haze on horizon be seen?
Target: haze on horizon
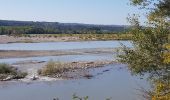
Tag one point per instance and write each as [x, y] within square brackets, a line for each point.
[108, 12]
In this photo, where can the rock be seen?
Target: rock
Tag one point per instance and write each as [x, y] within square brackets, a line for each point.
[9, 77]
[88, 76]
[35, 78]
[74, 62]
[106, 70]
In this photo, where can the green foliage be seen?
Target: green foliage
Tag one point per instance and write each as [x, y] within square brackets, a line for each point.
[75, 97]
[147, 54]
[14, 30]
[104, 36]
[6, 71]
[22, 27]
[150, 55]
[161, 7]
[28, 30]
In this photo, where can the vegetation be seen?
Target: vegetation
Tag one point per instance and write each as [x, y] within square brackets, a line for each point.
[161, 7]
[52, 68]
[75, 97]
[7, 73]
[28, 27]
[67, 70]
[123, 36]
[55, 29]
[151, 54]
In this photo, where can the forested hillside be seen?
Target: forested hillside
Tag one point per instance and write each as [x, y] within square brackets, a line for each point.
[30, 27]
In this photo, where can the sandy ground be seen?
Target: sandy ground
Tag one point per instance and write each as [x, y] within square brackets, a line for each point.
[76, 70]
[12, 39]
[22, 54]
[31, 67]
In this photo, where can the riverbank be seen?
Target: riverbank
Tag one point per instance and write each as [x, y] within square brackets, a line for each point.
[61, 38]
[28, 53]
[76, 58]
[71, 70]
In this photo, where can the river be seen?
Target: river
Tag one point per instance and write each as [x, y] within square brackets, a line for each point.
[112, 81]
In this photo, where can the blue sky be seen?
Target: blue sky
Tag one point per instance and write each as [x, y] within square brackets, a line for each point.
[68, 11]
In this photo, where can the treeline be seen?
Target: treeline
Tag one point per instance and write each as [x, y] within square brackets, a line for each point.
[18, 30]
[29, 27]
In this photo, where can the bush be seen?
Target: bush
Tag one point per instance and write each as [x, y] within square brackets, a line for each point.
[52, 68]
[7, 72]
[20, 75]
[6, 69]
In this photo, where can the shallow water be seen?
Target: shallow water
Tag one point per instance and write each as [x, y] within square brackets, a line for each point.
[63, 45]
[64, 58]
[116, 83]
[111, 81]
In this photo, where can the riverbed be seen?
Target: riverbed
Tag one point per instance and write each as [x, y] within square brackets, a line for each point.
[111, 81]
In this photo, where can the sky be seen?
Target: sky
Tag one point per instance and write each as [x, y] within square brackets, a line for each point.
[106, 12]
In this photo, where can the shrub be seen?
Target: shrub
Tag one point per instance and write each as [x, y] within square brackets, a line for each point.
[20, 75]
[6, 69]
[7, 72]
[52, 68]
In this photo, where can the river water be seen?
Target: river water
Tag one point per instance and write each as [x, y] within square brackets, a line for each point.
[112, 81]
[63, 45]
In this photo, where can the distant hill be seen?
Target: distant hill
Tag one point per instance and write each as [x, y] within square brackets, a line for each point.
[30, 27]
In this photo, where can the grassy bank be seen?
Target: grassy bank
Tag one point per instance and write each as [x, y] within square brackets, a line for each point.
[86, 36]
[8, 73]
[56, 69]
[52, 68]
[33, 38]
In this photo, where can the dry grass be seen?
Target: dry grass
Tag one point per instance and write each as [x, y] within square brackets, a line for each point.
[7, 72]
[53, 68]
[89, 36]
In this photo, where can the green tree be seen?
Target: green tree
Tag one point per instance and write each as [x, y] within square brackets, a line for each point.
[161, 7]
[150, 53]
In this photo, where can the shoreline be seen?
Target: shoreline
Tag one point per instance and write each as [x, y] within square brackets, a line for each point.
[5, 54]
[75, 70]
[4, 39]
[78, 70]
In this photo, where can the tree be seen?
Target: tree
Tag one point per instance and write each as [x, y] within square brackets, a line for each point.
[161, 7]
[151, 53]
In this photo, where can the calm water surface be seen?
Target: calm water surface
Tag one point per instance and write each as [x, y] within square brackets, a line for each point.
[116, 83]
[111, 81]
[65, 58]
[63, 45]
